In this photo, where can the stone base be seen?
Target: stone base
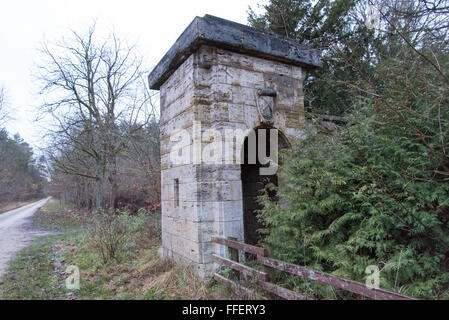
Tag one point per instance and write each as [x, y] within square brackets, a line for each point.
[204, 270]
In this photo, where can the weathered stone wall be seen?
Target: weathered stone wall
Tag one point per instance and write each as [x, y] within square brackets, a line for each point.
[216, 88]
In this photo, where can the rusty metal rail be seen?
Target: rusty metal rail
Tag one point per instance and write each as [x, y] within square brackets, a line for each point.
[262, 278]
[335, 281]
[239, 289]
[240, 246]
[259, 275]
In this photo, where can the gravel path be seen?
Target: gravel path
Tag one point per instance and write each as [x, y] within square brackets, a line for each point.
[17, 230]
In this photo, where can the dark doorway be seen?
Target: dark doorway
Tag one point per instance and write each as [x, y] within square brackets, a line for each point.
[253, 182]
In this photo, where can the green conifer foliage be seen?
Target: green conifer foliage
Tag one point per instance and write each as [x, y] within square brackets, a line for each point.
[375, 191]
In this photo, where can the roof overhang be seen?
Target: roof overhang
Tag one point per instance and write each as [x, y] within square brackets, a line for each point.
[236, 37]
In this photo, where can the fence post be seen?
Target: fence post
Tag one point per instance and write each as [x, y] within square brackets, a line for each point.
[268, 270]
[234, 256]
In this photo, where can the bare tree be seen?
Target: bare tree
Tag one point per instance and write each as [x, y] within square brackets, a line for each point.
[97, 97]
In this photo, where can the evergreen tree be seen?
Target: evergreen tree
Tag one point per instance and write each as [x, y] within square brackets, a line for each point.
[327, 26]
[376, 193]
[20, 177]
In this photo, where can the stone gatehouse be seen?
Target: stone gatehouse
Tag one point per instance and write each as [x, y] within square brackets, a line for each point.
[219, 78]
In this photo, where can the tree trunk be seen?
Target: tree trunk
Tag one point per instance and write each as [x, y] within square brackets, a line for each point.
[99, 184]
[113, 179]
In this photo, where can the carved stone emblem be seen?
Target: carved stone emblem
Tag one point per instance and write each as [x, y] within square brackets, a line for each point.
[265, 103]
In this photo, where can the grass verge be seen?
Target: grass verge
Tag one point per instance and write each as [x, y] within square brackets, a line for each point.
[8, 206]
[31, 274]
[58, 216]
[135, 271]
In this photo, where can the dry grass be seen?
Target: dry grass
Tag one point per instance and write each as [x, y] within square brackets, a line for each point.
[144, 276]
[164, 277]
[140, 274]
[57, 215]
[7, 206]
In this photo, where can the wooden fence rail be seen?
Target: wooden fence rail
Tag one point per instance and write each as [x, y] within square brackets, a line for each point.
[262, 278]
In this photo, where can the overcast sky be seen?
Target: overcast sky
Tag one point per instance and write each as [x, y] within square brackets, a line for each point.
[154, 25]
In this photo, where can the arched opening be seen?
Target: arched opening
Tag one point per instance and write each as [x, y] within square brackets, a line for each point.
[253, 181]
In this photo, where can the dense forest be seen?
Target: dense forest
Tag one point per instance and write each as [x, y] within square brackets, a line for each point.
[21, 176]
[376, 191]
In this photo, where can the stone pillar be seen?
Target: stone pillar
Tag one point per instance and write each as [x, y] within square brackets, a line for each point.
[209, 82]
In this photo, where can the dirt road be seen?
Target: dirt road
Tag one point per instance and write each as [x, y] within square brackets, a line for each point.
[16, 231]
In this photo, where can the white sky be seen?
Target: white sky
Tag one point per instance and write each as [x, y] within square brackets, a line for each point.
[154, 25]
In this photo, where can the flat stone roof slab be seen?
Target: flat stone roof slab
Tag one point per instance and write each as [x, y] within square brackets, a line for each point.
[235, 37]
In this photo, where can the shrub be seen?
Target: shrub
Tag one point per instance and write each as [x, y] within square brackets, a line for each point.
[150, 231]
[112, 234]
[370, 199]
